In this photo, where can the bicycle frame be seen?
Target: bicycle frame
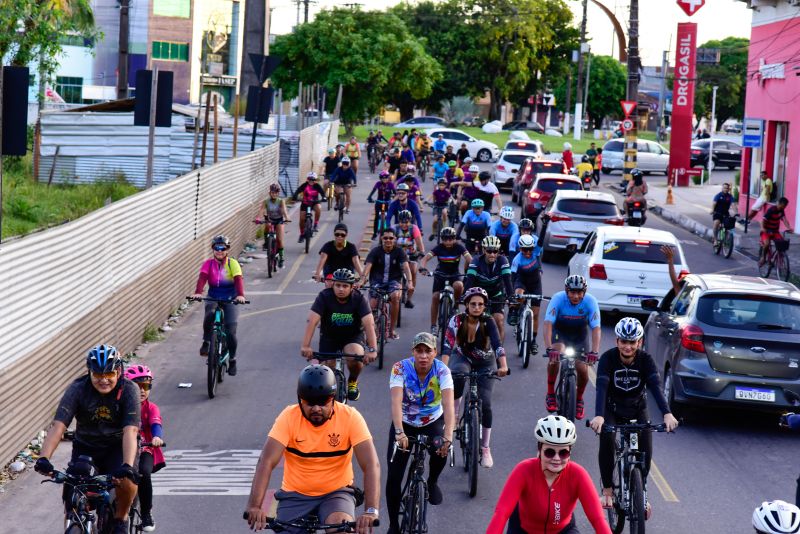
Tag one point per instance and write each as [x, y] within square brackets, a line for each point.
[416, 485]
[566, 390]
[338, 370]
[91, 502]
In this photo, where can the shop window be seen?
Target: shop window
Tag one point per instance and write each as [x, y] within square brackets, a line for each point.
[70, 88]
[167, 51]
[779, 159]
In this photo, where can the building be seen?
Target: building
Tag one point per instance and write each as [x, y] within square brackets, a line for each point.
[773, 87]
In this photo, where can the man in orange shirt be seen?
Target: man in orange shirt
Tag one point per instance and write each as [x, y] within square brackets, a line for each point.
[317, 449]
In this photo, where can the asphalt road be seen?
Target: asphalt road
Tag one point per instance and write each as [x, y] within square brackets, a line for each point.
[707, 477]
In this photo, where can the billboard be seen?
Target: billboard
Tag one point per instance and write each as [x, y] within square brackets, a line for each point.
[683, 102]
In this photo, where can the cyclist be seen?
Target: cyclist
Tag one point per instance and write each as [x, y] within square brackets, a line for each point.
[463, 154]
[353, 151]
[151, 459]
[540, 494]
[396, 141]
[421, 390]
[408, 151]
[393, 161]
[402, 202]
[274, 211]
[507, 231]
[623, 373]
[477, 223]
[721, 208]
[584, 166]
[526, 276]
[526, 227]
[424, 145]
[776, 517]
[380, 137]
[440, 145]
[440, 200]
[337, 254]
[344, 179]
[449, 155]
[409, 238]
[313, 194]
[439, 168]
[225, 281]
[329, 165]
[372, 144]
[570, 314]
[492, 272]
[414, 192]
[391, 264]
[771, 226]
[487, 191]
[107, 411]
[453, 173]
[385, 190]
[470, 339]
[344, 316]
[400, 172]
[448, 254]
[317, 449]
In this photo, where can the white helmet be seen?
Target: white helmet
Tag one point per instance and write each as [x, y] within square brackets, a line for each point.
[567, 146]
[629, 329]
[776, 517]
[556, 430]
[507, 212]
[474, 169]
[526, 241]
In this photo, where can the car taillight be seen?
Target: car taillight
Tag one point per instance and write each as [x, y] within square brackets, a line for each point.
[615, 222]
[697, 152]
[598, 272]
[534, 195]
[692, 338]
[501, 167]
[683, 274]
[555, 217]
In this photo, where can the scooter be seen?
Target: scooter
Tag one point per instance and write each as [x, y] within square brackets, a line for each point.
[637, 212]
[586, 180]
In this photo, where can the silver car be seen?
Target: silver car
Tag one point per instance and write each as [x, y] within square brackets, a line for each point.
[507, 167]
[572, 215]
[650, 156]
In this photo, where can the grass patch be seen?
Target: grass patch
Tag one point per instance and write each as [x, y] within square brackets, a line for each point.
[151, 334]
[29, 205]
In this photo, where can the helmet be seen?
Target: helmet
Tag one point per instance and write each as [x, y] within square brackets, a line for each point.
[316, 382]
[474, 169]
[220, 240]
[477, 203]
[344, 275]
[575, 282]
[526, 241]
[312, 175]
[103, 359]
[447, 231]
[402, 187]
[585, 159]
[471, 292]
[567, 146]
[383, 174]
[409, 176]
[636, 173]
[629, 329]
[776, 517]
[345, 160]
[526, 224]
[452, 163]
[507, 212]
[331, 151]
[556, 430]
[340, 226]
[274, 188]
[138, 372]
[490, 241]
[468, 160]
[411, 168]
[404, 216]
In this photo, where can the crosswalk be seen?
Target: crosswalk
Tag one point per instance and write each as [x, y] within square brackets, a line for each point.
[194, 472]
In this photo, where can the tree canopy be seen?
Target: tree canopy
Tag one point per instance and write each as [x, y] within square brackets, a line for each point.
[607, 79]
[730, 76]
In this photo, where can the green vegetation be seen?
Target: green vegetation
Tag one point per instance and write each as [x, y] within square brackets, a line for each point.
[151, 334]
[607, 88]
[730, 75]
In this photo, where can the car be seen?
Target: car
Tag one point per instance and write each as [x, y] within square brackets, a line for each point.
[570, 216]
[534, 147]
[624, 265]
[735, 128]
[421, 122]
[527, 174]
[726, 153]
[727, 340]
[650, 156]
[477, 121]
[483, 151]
[543, 187]
[507, 167]
[524, 125]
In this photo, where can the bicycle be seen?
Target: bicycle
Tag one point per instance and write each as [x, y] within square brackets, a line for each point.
[135, 515]
[308, 227]
[91, 507]
[468, 430]
[330, 193]
[310, 524]
[630, 496]
[523, 332]
[724, 237]
[440, 216]
[382, 319]
[340, 202]
[338, 370]
[424, 165]
[218, 356]
[271, 245]
[414, 500]
[447, 303]
[775, 257]
[375, 156]
[566, 391]
[383, 223]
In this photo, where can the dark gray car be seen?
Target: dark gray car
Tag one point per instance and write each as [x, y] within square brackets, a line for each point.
[728, 340]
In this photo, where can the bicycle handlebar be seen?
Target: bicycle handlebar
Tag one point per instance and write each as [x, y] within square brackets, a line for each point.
[222, 301]
[150, 444]
[479, 374]
[325, 356]
[60, 477]
[305, 525]
[608, 427]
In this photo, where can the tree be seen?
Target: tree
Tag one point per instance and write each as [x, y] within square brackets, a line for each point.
[730, 76]
[607, 84]
[371, 54]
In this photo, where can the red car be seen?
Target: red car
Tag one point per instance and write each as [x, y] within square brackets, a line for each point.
[546, 183]
[528, 172]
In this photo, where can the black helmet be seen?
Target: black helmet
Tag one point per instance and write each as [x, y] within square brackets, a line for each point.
[316, 383]
[448, 231]
[585, 159]
[636, 174]
[404, 216]
[526, 224]
[344, 275]
[220, 240]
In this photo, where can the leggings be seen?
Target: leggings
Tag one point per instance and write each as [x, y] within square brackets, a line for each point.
[606, 454]
[515, 527]
[146, 482]
[461, 364]
[378, 205]
[231, 320]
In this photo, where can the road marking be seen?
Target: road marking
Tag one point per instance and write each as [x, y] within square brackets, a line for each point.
[733, 269]
[276, 292]
[192, 472]
[300, 258]
[268, 310]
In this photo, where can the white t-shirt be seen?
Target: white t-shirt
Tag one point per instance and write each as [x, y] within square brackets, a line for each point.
[488, 188]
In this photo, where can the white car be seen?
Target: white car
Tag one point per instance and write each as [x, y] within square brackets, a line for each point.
[421, 122]
[483, 151]
[650, 156]
[533, 147]
[624, 265]
[507, 166]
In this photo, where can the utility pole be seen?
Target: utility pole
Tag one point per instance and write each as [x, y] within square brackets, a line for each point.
[713, 131]
[662, 96]
[305, 7]
[579, 91]
[586, 92]
[632, 92]
[569, 93]
[122, 62]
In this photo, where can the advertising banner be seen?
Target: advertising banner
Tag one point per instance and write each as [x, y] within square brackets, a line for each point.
[683, 101]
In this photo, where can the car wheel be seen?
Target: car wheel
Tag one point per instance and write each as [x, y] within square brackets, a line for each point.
[669, 393]
[484, 155]
[606, 170]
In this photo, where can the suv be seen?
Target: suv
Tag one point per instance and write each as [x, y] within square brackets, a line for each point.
[528, 172]
[533, 147]
[543, 188]
[650, 156]
[507, 167]
[571, 215]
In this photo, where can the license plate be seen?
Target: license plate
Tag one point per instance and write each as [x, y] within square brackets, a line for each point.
[755, 394]
[637, 214]
[636, 299]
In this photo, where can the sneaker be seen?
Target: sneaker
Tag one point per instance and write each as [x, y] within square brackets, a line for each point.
[300, 238]
[316, 227]
[280, 262]
[409, 305]
[204, 348]
[120, 527]
[435, 496]
[394, 335]
[535, 349]
[352, 391]
[579, 409]
[551, 403]
[232, 367]
[347, 211]
[431, 237]
[486, 457]
[148, 525]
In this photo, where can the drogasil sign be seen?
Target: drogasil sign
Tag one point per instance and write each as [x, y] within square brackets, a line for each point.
[683, 101]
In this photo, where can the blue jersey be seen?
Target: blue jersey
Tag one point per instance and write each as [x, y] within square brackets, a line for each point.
[440, 145]
[508, 235]
[439, 170]
[566, 316]
[476, 225]
[522, 266]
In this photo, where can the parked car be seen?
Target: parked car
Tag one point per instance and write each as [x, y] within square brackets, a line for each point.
[533, 147]
[727, 340]
[537, 197]
[570, 216]
[421, 122]
[524, 125]
[650, 156]
[476, 121]
[527, 174]
[480, 150]
[726, 153]
[507, 167]
[624, 265]
[735, 128]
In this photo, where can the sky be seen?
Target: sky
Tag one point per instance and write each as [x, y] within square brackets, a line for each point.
[717, 19]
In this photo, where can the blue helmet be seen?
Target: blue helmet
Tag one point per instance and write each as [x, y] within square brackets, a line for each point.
[103, 359]
[629, 329]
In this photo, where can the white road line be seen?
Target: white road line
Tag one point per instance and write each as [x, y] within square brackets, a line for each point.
[268, 310]
[192, 472]
[297, 262]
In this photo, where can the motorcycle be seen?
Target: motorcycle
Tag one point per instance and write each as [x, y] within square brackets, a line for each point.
[586, 180]
[637, 212]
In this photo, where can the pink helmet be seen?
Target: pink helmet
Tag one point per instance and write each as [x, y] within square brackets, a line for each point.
[138, 372]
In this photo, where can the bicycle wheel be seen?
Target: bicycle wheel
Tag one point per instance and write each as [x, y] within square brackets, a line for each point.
[330, 199]
[764, 269]
[135, 518]
[727, 244]
[270, 256]
[636, 490]
[211, 364]
[616, 516]
[566, 401]
[419, 510]
[74, 529]
[474, 450]
[308, 233]
[380, 327]
[527, 339]
[222, 349]
[464, 435]
[717, 246]
[782, 266]
[403, 299]
[341, 386]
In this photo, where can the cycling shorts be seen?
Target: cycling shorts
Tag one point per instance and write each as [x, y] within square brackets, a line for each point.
[497, 307]
[293, 505]
[576, 340]
[770, 235]
[439, 280]
[719, 216]
[330, 344]
[392, 285]
[275, 222]
[531, 283]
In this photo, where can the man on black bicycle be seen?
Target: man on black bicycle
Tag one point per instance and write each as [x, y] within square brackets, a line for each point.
[385, 267]
[569, 317]
[317, 449]
[448, 253]
[403, 202]
[344, 178]
[721, 208]
[526, 276]
[492, 272]
[385, 190]
[771, 226]
[337, 254]
[477, 223]
[409, 238]
[623, 372]
[107, 410]
[344, 317]
[329, 165]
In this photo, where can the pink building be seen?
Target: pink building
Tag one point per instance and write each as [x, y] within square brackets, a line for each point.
[773, 95]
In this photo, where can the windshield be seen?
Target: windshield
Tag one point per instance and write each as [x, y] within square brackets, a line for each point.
[547, 166]
[750, 312]
[548, 186]
[638, 251]
[522, 145]
[585, 206]
[515, 159]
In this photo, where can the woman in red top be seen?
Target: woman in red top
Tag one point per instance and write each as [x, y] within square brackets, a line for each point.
[541, 493]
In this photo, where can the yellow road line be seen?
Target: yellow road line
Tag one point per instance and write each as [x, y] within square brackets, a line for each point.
[277, 308]
[300, 258]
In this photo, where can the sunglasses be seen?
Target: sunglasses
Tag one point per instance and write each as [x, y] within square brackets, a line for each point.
[318, 402]
[144, 386]
[220, 248]
[111, 375]
[339, 234]
[491, 251]
[551, 453]
[524, 250]
[477, 305]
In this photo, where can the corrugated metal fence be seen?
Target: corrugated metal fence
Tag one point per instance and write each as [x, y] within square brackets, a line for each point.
[314, 143]
[136, 261]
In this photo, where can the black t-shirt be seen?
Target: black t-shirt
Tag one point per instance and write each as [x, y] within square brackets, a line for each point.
[450, 156]
[449, 258]
[383, 271]
[394, 163]
[331, 163]
[100, 418]
[621, 387]
[339, 259]
[462, 154]
[340, 320]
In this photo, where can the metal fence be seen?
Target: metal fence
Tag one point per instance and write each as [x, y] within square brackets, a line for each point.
[136, 261]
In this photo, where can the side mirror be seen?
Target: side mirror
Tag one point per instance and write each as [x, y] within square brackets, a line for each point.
[572, 248]
[650, 305]
[471, 140]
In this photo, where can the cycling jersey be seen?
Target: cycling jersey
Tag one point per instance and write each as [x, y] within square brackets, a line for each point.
[407, 238]
[568, 317]
[224, 282]
[311, 193]
[386, 266]
[352, 150]
[422, 400]
[424, 144]
[342, 176]
[396, 207]
[494, 277]
[475, 350]
[394, 163]
[439, 170]
[408, 155]
[449, 156]
[508, 235]
[440, 145]
[722, 203]
[151, 426]
[771, 221]
[544, 508]
[462, 154]
[621, 387]
[385, 191]
[476, 225]
[331, 164]
[274, 209]
[448, 257]
[441, 197]
[524, 270]
[454, 175]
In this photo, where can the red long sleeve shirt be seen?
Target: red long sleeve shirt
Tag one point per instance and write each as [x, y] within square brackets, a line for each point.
[544, 509]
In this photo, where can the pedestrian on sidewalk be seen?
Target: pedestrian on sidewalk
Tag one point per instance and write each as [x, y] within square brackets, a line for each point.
[721, 208]
[763, 198]
[566, 156]
[591, 153]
